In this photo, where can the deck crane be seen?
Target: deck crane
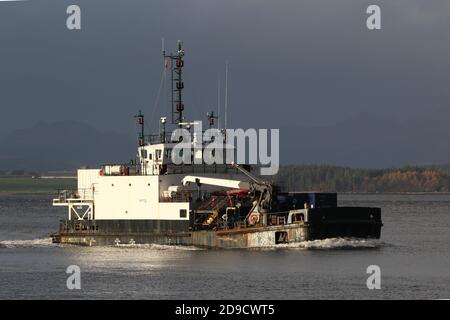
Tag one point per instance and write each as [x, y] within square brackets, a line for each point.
[261, 192]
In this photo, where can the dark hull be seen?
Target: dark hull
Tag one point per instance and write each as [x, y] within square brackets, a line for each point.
[323, 223]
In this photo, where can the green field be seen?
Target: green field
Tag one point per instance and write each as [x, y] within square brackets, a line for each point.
[35, 185]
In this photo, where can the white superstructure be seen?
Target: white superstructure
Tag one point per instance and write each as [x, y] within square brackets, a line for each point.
[150, 189]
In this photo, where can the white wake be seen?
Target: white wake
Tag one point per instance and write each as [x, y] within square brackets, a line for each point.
[333, 243]
[158, 247]
[325, 244]
[34, 243]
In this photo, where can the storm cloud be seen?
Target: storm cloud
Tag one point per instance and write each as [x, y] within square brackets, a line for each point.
[292, 64]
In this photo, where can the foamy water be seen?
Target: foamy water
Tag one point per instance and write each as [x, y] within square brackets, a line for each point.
[47, 242]
[34, 243]
[325, 244]
[334, 243]
[158, 247]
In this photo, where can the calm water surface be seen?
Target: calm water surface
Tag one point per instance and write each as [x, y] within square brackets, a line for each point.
[413, 254]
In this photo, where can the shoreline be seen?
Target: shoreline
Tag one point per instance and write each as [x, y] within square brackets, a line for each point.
[25, 192]
[54, 192]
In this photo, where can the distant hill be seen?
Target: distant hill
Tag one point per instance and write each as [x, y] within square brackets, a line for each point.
[64, 145]
[371, 141]
[364, 140]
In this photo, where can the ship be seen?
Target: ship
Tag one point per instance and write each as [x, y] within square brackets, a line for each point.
[153, 200]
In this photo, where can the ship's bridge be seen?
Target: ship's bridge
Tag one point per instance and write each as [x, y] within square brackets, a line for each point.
[155, 158]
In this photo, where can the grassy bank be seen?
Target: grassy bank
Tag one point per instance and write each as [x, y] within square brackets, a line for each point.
[35, 185]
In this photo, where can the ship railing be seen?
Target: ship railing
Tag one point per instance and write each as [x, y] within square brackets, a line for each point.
[80, 203]
[65, 196]
[158, 138]
[240, 223]
[119, 169]
[277, 218]
[273, 219]
[200, 168]
[167, 137]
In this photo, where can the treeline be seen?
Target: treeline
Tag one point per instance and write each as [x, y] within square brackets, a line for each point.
[341, 179]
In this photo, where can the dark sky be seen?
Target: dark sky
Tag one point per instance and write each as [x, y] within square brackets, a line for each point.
[291, 62]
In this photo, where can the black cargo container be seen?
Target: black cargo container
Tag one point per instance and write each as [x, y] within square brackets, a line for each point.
[298, 200]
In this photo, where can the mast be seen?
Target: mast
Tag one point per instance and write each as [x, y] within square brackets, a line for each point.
[226, 93]
[211, 118]
[218, 102]
[176, 66]
[141, 141]
[140, 123]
